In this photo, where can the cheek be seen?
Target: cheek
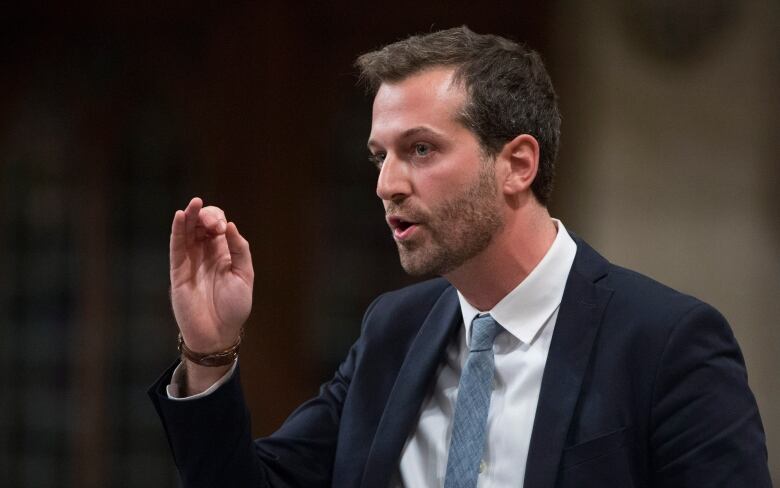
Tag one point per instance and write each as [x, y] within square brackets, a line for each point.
[451, 174]
[455, 175]
[435, 187]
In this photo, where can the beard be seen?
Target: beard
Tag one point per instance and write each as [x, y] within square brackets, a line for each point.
[458, 229]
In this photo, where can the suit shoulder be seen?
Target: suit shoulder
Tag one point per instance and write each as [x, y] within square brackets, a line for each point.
[629, 289]
[636, 283]
[419, 295]
[410, 304]
[642, 296]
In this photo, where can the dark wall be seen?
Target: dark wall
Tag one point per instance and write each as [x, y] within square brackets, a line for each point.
[110, 119]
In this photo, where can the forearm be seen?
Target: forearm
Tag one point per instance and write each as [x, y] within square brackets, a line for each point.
[211, 440]
[210, 436]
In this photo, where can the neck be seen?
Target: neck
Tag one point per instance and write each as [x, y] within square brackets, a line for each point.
[509, 258]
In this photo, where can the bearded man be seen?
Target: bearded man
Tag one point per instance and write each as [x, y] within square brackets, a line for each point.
[531, 362]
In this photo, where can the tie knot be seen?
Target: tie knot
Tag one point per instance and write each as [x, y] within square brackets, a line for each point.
[484, 330]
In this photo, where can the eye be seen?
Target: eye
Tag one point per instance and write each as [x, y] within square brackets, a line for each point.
[377, 159]
[422, 149]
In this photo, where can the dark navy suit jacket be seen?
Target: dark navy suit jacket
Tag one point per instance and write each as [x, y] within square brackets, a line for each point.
[643, 387]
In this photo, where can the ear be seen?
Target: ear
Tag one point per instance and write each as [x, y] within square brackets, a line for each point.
[520, 158]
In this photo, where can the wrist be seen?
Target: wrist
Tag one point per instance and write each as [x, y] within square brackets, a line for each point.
[204, 369]
[197, 378]
[217, 358]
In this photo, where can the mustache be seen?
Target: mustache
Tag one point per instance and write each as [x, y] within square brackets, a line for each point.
[409, 212]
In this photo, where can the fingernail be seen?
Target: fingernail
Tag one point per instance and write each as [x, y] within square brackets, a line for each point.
[221, 226]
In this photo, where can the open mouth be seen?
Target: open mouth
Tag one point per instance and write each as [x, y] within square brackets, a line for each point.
[402, 229]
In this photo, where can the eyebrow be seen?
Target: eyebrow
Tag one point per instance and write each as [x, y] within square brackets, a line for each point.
[414, 131]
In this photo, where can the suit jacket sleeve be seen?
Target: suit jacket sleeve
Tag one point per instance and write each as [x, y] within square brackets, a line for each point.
[212, 444]
[706, 429]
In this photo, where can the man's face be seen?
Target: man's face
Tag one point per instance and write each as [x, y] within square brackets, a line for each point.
[439, 190]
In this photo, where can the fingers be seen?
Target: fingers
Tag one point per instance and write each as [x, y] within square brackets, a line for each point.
[239, 253]
[178, 243]
[201, 222]
[213, 220]
[198, 226]
[191, 220]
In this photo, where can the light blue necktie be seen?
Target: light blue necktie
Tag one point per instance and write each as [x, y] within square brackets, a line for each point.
[469, 427]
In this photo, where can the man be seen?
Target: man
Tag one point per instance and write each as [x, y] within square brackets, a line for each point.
[534, 362]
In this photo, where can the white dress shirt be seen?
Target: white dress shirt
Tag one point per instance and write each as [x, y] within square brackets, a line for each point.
[528, 314]
[174, 390]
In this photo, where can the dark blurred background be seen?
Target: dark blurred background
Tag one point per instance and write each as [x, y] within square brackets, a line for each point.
[111, 118]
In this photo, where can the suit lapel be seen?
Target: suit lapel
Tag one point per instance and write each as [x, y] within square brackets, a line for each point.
[411, 386]
[578, 321]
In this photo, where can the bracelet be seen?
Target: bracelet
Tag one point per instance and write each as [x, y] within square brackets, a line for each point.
[214, 359]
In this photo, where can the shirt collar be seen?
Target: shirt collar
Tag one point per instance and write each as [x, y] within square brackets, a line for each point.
[526, 309]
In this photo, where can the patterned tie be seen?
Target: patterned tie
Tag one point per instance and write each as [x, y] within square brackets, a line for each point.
[471, 408]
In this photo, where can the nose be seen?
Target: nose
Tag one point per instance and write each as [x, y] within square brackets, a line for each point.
[393, 183]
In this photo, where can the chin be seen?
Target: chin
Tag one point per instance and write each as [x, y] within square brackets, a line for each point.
[416, 265]
[414, 269]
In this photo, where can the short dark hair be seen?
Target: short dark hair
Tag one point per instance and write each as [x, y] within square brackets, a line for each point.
[509, 90]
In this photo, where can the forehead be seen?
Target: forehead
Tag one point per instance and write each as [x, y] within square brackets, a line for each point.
[428, 98]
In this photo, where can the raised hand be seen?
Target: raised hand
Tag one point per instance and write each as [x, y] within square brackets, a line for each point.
[211, 277]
